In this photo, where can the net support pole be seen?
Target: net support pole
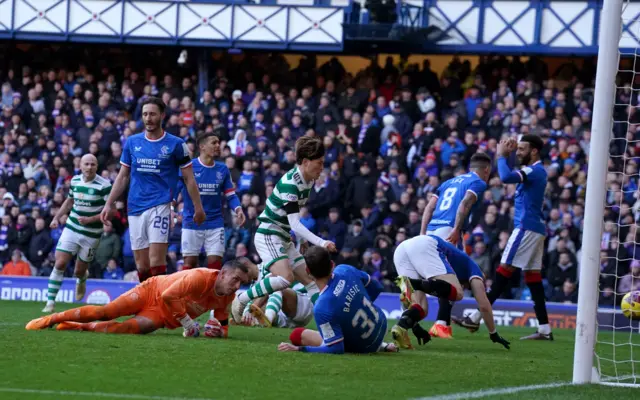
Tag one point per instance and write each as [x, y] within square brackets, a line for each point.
[608, 58]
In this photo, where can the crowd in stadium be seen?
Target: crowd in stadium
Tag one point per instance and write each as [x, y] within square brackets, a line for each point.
[392, 134]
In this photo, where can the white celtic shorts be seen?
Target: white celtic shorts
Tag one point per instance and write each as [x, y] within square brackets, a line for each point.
[75, 243]
[304, 313]
[212, 240]
[272, 248]
[419, 258]
[524, 250]
[152, 226]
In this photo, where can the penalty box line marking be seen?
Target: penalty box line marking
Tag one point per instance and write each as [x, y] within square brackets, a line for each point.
[94, 394]
[494, 392]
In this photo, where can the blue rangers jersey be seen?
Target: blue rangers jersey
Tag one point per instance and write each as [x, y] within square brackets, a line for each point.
[450, 194]
[345, 311]
[532, 183]
[214, 183]
[154, 170]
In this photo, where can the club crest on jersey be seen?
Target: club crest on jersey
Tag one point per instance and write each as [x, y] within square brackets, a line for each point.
[219, 176]
[282, 250]
[91, 191]
[164, 152]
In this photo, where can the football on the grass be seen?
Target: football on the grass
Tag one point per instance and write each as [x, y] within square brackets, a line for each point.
[631, 305]
[213, 328]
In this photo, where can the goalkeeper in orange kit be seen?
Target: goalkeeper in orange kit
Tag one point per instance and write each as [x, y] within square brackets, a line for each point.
[165, 301]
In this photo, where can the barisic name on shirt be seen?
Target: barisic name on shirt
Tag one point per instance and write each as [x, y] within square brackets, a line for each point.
[349, 298]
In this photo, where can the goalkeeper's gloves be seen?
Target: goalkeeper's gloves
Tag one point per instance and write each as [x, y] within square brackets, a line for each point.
[496, 338]
[421, 334]
[191, 327]
[216, 329]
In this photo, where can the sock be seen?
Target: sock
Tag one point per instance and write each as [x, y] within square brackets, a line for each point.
[503, 276]
[55, 281]
[274, 304]
[435, 287]
[215, 265]
[296, 336]
[545, 329]
[412, 316]
[264, 287]
[129, 326]
[534, 282]
[444, 312]
[313, 291]
[144, 275]
[80, 314]
[159, 270]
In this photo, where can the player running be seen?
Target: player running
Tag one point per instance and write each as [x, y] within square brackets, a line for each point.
[213, 178]
[281, 215]
[434, 266]
[83, 229]
[150, 164]
[447, 216]
[525, 248]
[348, 320]
[160, 302]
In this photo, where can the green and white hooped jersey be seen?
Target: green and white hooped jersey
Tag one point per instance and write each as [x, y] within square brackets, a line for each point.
[291, 188]
[89, 199]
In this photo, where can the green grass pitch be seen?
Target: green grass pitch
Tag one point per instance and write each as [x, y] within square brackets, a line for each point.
[164, 365]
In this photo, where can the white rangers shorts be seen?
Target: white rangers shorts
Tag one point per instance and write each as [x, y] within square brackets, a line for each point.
[74, 243]
[212, 240]
[304, 313]
[524, 250]
[419, 258]
[152, 226]
[443, 233]
[272, 248]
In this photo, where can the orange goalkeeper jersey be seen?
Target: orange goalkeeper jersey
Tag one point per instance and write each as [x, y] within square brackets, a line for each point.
[187, 292]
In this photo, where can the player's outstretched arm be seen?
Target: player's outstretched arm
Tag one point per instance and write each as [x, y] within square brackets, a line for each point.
[428, 213]
[478, 289]
[506, 174]
[303, 232]
[118, 188]
[192, 188]
[173, 298]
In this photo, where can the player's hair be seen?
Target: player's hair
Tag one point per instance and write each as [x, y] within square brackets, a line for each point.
[534, 141]
[235, 264]
[204, 136]
[480, 160]
[310, 148]
[155, 101]
[318, 261]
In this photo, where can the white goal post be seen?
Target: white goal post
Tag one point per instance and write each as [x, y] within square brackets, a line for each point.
[587, 338]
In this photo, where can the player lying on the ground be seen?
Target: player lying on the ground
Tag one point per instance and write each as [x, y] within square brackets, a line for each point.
[82, 232]
[348, 320]
[447, 216]
[166, 301]
[295, 310]
[289, 308]
[433, 266]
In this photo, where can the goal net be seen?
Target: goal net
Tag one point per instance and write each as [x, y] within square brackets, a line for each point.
[607, 342]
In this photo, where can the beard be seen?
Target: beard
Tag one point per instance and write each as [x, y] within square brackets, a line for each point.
[525, 160]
